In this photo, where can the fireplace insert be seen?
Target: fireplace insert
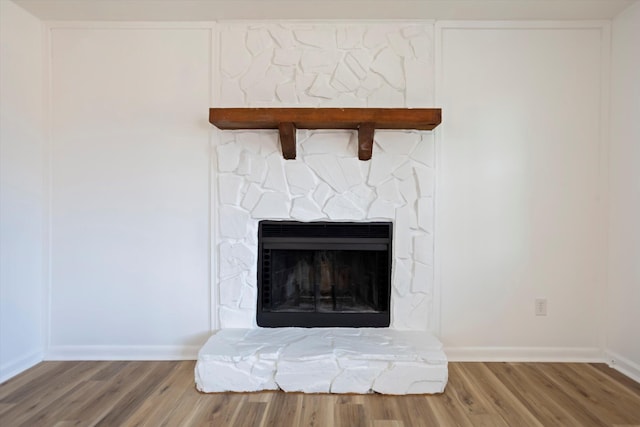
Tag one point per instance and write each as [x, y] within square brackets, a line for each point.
[324, 274]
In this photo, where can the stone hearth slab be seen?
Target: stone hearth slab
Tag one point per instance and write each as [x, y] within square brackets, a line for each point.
[322, 360]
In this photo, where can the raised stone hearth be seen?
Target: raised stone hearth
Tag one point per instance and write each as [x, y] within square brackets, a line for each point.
[322, 360]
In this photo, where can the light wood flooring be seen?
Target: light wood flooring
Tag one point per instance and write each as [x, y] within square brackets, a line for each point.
[163, 394]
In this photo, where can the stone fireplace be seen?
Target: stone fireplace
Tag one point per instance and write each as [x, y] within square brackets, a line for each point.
[325, 183]
[323, 65]
[315, 64]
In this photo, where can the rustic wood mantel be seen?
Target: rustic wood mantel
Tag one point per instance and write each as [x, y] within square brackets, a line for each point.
[364, 120]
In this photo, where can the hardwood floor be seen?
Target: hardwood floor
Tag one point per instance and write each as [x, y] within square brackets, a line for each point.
[65, 394]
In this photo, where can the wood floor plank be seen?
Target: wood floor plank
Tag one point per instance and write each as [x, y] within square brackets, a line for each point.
[624, 401]
[282, 409]
[4, 407]
[54, 411]
[17, 388]
[228, 411]
[379, 407]
[34, 402]
[251, 414]
[447, 410]
[472, 400]
[317, 410]
[217, 409]
[110, 370]
[566, 397]
[153, 410]
[65, 394]
[349, 415]
[388, 423]
[497, 396]
[135, 397]
[84, 391]
[604, 400]
[617, 377]
[415, 410]
[533, 395]
[263, 396]
[93, 410]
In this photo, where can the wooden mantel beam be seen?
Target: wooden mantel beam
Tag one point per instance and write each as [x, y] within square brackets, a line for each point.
[364, 120]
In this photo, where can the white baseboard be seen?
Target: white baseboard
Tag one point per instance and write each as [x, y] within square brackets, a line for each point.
[122, 352]
[524, 354]
[623, 365]
[17, 366]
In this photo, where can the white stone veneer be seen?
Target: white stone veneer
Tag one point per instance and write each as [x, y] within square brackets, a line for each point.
[325, 65]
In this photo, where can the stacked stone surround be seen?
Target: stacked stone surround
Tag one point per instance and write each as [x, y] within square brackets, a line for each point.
[324, 64]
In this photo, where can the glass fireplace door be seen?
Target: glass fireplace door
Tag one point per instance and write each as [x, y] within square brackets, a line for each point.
[324, 281]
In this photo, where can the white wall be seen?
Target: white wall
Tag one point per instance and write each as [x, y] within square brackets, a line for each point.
[21, 190]
[518, 211]
[623, 337]
[130, 191]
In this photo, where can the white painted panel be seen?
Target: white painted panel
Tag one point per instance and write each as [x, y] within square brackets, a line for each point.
[624, 201]
[518, 211]
[21, 190]
[130, 185]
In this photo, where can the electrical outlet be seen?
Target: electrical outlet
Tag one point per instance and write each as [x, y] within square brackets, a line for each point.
[541, 306]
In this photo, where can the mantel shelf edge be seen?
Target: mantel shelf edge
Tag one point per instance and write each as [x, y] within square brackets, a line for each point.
[364, 120]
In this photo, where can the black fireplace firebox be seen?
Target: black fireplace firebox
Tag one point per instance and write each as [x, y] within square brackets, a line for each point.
[324, 274]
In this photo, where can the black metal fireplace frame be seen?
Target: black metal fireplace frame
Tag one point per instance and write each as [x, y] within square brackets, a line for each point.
[323, 235]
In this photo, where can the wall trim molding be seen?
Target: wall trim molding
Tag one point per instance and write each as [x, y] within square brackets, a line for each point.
[521, 25]
[17, 366]
[122, 352]
[623, 365]
[524, 354]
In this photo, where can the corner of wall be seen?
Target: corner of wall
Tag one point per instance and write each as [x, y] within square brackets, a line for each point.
[623, 365]
[622, 345]
[22, 197]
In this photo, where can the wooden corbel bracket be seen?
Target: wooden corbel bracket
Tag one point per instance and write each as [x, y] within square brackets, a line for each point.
[364, 120]
[365, 140]
[287, 140]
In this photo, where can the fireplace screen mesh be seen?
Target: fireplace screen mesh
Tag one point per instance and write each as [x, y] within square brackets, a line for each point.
[327, 280]
[334, 277]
